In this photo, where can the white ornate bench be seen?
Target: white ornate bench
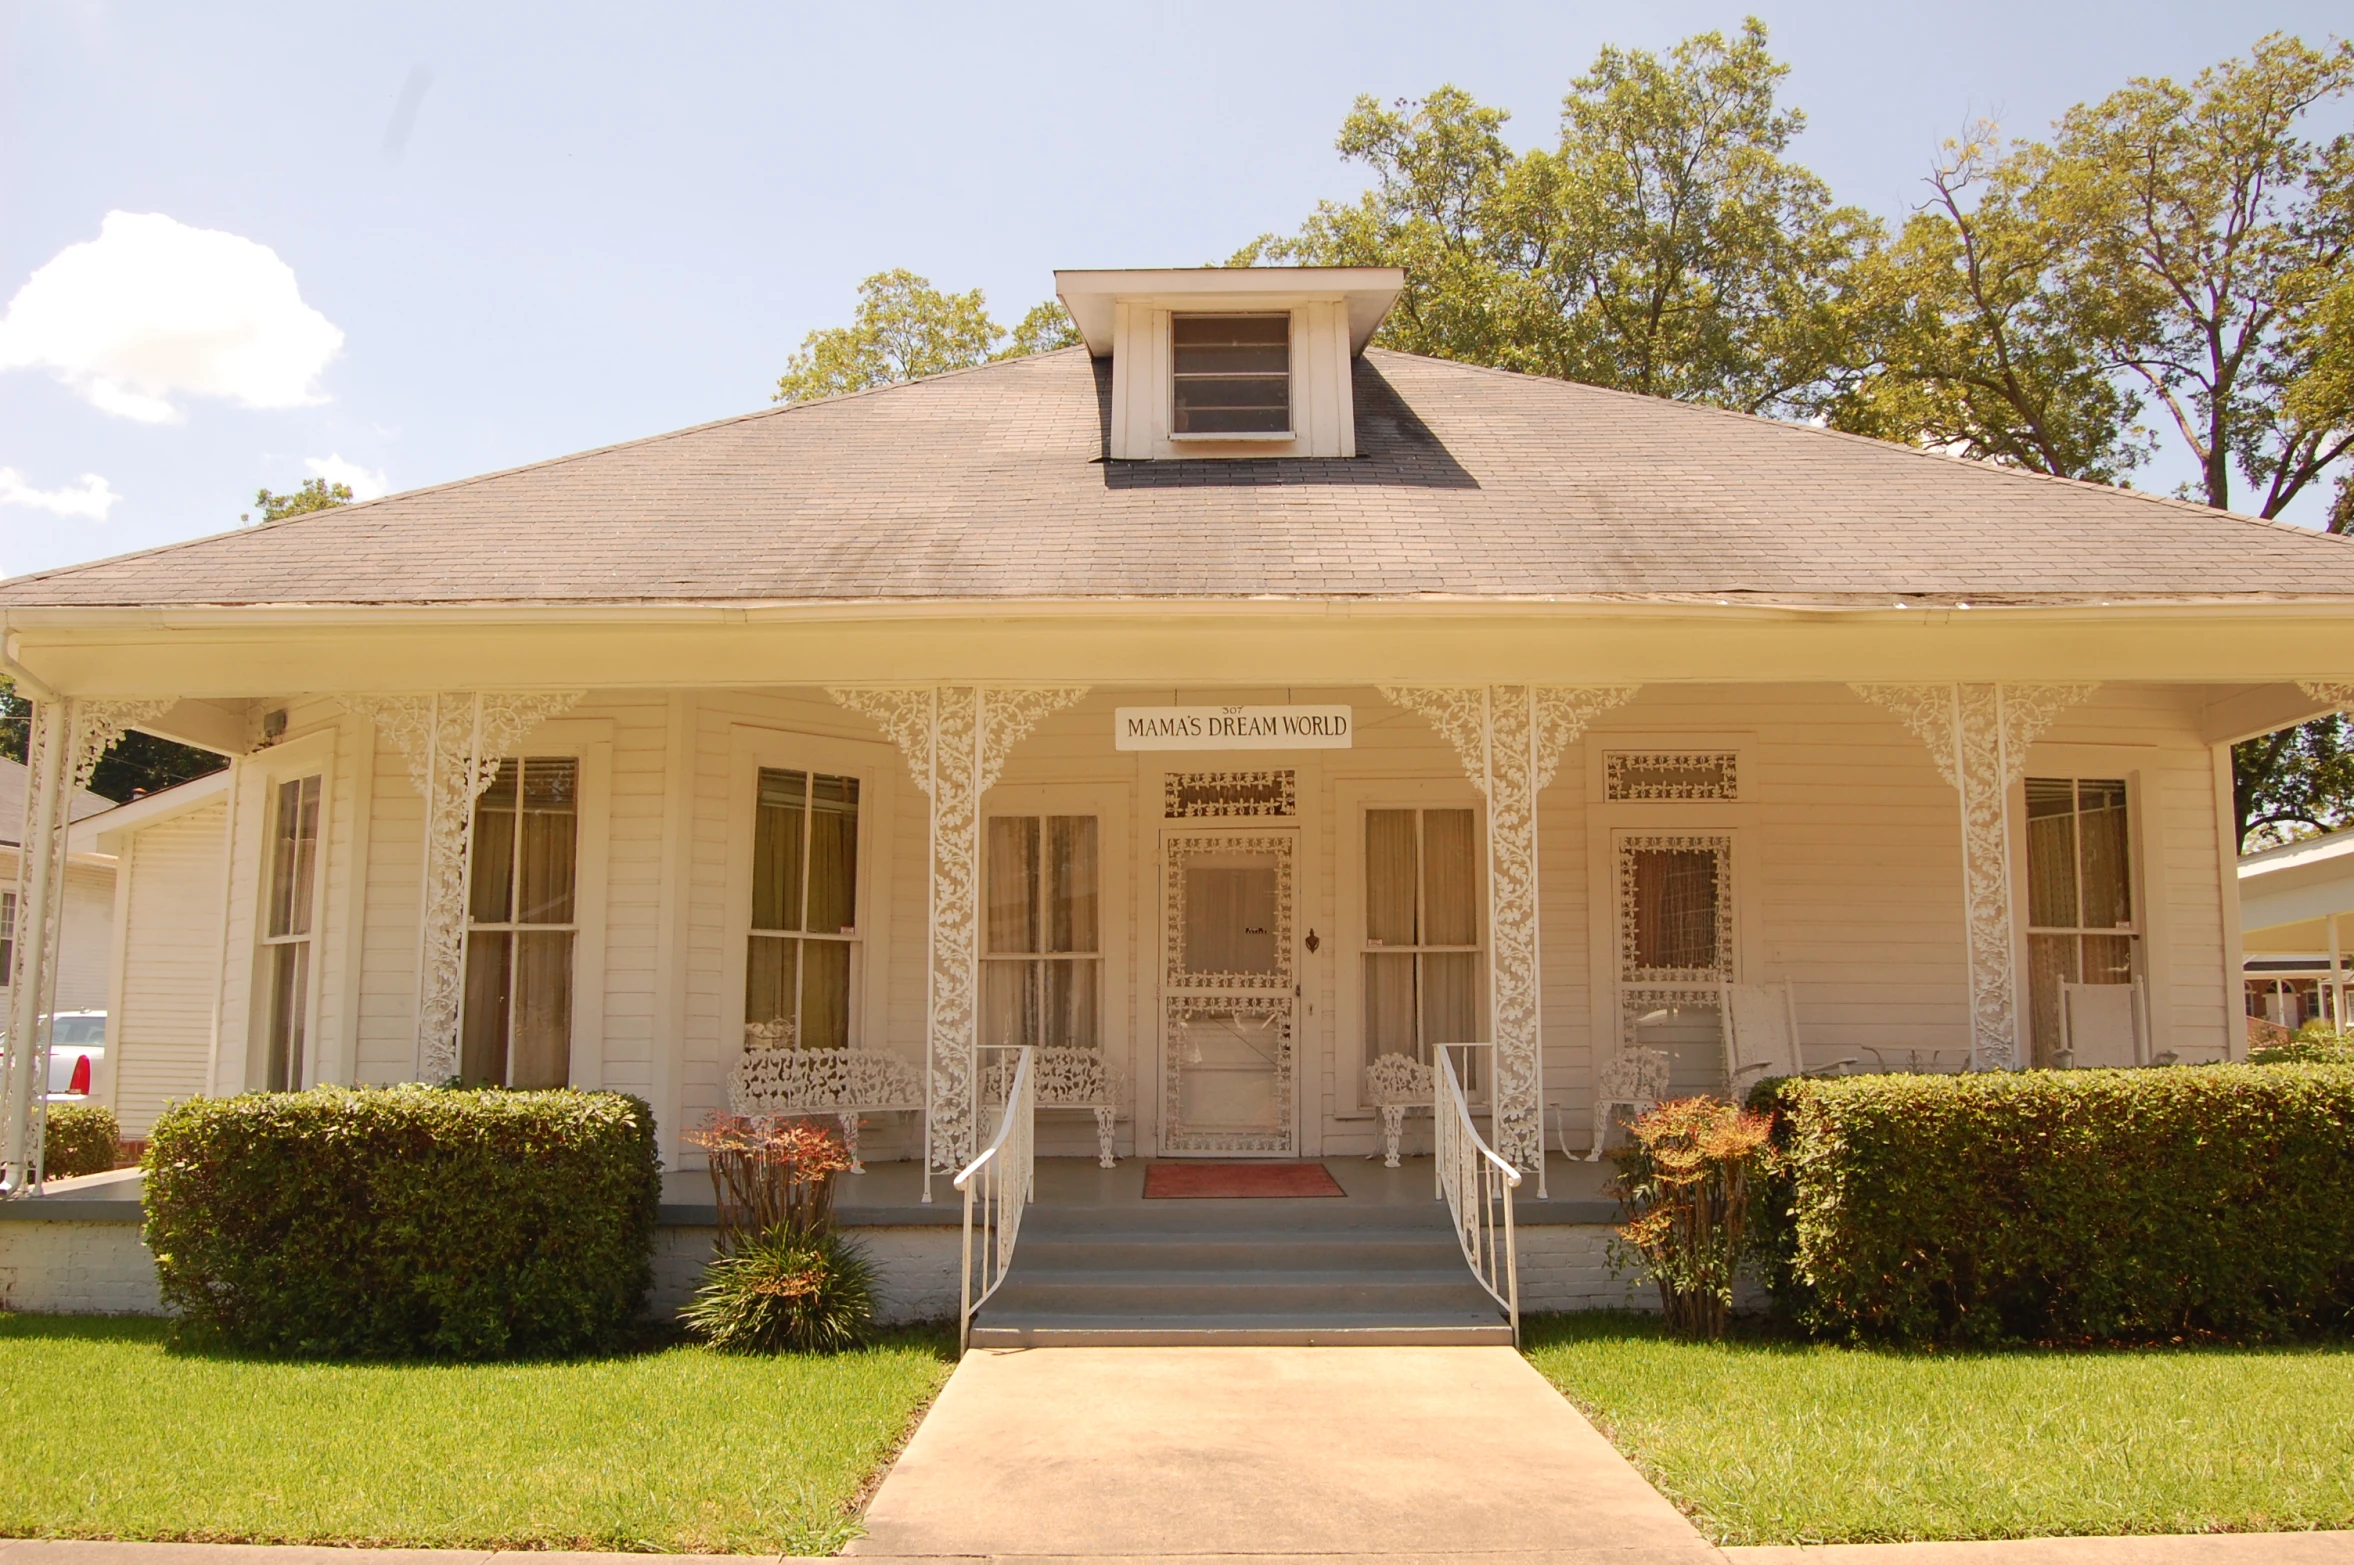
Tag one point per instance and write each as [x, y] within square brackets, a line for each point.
[1067, 1079]
[1395, 1083]
[773, 1077]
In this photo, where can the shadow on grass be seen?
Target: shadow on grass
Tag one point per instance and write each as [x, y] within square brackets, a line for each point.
[181, 1340]
[1758, 1337]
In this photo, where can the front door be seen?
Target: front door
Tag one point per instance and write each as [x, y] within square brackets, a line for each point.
[1228, 993]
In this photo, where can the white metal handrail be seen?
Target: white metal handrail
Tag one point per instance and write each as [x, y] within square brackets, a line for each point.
[1000, 1182]
[1476, 1183]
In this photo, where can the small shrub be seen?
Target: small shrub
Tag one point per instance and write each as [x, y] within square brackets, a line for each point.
[1687, 1184]
[2065, 1206]
[785, 1292]
[2315, 1043]
[81, 1140]
[405, 1221]
[770, 1175]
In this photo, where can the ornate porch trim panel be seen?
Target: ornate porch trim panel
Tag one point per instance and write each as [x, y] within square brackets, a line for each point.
[955, 739]
[453, 742]
[64, 739]
[1509, 739]
[1979, 736]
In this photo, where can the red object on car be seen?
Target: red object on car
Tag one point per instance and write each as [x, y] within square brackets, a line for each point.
[81, 1077]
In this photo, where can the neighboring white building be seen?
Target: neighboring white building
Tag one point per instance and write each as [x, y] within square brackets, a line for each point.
[2297, 927]
[168, 876]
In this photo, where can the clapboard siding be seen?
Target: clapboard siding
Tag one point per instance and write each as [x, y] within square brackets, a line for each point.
[161, 1037]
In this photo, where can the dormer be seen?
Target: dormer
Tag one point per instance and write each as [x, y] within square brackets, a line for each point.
[1231, 361]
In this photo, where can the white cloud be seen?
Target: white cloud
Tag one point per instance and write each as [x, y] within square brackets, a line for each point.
[365, 485]
[91, 497]
[152, 309]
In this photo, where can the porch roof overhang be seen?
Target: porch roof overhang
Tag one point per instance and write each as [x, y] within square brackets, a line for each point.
[235, 652]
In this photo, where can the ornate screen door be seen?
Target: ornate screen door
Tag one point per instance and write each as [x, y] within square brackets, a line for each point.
[1228, 991]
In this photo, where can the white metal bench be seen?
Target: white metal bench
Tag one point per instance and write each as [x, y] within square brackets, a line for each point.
[773, 1077]
[1066, 1079]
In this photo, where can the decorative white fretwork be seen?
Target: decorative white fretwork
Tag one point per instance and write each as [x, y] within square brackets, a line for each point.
[1510, 739]
[1260, 1024]
[1395, 1083]
[1192, 796]
[772, 1077]
[453, 742]
[1636, 776]
[1978, 736]
[955, 739]
[1632, 968]
[1180, 851]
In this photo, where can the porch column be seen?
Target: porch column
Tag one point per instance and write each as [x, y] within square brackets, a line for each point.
[1509, 739]
[955, 739]
[64, 739]
[453, 742]
[1978, 736]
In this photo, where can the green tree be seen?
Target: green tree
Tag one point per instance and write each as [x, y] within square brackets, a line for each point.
[1665, 245]
[905, 329]
[316, 494]
[2293, 783]
[1975, 346]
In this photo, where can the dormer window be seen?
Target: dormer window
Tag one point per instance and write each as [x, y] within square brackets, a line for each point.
[1233, 375]
[1230, 363]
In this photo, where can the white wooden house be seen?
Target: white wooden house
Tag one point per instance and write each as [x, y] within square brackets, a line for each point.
[1223, 699]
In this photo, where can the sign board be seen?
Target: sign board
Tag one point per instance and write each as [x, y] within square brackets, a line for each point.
[1232, 728]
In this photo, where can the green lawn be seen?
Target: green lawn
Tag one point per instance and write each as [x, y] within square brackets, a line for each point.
[678, 1450]
[1772, 1442]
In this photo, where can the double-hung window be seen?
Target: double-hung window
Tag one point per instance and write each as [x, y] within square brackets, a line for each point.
[1042, 958]
[803, 956]
[2080, 924]
[1232, 374]
[7, 938]
[523, 922]
[1422, 931]
[286, 937]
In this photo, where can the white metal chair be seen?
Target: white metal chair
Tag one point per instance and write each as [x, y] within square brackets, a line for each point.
[1395, 1084]
[1761, 1035]
[2101, 1026]
[1635, 1080]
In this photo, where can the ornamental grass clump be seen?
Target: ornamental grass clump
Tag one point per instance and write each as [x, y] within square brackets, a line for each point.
[783, 1279]
[1687, 1182]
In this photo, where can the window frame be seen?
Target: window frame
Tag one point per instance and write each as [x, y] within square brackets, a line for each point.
[7, 937]
[751, 748]
[302, 1049]
[254, 822]
[1366, 948]
[1037, 960]
[1343, 980]
[2078, 764]
[575, 928]
[1291, 374]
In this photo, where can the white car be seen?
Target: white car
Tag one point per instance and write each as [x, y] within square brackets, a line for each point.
[77, 1046]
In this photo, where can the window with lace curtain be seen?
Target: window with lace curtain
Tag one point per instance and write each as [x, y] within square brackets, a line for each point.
[1422, 931]
[2079, 895]
[804, 943]
[522, 920]
[286, 936]
[1041, 949]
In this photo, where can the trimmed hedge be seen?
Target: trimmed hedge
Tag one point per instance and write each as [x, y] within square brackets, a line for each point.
[81, 1139]
[2064, 1206]
[400, 1222]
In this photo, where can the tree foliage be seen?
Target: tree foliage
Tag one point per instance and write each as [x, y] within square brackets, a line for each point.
[2175, 247]
[133, 765]
[2293, 783]
[905, 329]
[1664, 245]
[316, 494]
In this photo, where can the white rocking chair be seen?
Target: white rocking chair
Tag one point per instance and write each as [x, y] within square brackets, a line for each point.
[2101, 1027]
[1761, 1036]
[1636, 1080]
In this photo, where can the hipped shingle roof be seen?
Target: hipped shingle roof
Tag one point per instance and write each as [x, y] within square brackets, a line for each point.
[1471, 483]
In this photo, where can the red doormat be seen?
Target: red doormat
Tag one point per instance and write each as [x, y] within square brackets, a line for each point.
[1280, 1181]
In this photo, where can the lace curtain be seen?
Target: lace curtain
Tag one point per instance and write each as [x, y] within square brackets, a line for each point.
[1041, 973]
[1421, 891]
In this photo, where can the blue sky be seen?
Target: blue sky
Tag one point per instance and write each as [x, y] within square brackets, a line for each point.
[538, 229]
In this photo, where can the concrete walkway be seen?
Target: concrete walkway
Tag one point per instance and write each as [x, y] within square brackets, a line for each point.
[1403, 1453]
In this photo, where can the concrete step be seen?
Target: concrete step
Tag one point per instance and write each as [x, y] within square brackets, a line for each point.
[1367, 1249]
[1238, 1292]
[1240, 1332]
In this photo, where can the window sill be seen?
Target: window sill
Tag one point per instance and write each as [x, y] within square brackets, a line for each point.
[1262, 435]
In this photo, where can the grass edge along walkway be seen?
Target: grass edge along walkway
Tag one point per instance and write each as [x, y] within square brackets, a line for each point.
[675, 1449]
[1778, 1442]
